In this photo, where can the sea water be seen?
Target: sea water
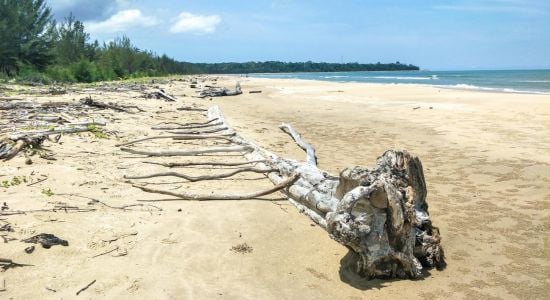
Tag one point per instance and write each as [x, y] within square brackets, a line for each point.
[513, 81]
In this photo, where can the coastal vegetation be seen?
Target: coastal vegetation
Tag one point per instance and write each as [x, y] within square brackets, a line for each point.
[36, 48]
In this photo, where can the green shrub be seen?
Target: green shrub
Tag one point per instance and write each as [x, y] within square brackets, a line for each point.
[61, 74]
[84, 71]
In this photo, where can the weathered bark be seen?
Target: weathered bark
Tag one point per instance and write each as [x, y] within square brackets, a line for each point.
[380, 213]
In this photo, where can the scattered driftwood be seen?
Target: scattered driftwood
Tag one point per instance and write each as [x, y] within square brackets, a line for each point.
[380, 214]
[160, 94]
[192, 109]
[8, 264]
[185, 196]
[254, 92]
[94, 103]
[220, 92]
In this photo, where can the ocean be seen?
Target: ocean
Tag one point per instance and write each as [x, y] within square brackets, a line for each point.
[512, 81]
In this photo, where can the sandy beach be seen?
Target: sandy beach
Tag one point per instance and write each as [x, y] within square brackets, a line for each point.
[486, 161]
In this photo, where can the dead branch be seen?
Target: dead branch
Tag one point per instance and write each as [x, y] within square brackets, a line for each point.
[86, 287]
[186, 127]
[199, 132]
[189, 152]
[189, 164]
[204, 177]
[180, 137]
[311, 158]
[8, 263]
[186, 124]
[94, 103]
[191, 109]
[194, 197]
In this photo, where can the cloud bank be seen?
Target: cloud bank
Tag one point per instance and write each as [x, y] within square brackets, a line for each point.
[196, 24]
[121, 21]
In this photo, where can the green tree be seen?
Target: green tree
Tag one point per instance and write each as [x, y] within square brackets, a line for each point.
[26, 34]
[71, 45]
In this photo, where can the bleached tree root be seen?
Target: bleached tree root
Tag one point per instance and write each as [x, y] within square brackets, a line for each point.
[180, 137]
[241, 149]
[204, 177]
[192, 164]
[195, 197]
[380, 213]
[186, 127]
[199, 131]
[310, 151]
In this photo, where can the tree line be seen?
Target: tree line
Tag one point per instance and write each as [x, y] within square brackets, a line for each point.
[33, 46]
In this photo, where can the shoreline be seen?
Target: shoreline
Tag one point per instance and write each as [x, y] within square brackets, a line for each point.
[428, 77]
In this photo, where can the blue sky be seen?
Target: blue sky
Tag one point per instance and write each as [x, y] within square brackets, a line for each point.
[437, 35]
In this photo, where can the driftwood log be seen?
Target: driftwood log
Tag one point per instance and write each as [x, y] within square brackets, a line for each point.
[380, 214]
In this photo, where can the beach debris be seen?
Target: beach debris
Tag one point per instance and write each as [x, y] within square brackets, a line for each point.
[98, 104]
[47, 240]
[242, 248]
[255, 92]
[160, 94]
[415, 108]
[379, 213]
[211, 91]
[6, 264]
[29, 249]
[85, 288]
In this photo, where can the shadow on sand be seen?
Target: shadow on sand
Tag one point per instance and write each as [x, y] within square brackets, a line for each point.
[349, 275]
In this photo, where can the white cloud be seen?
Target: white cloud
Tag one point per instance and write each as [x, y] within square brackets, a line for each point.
[123, 20]
[197, 24]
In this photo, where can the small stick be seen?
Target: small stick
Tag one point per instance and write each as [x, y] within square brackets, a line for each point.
[191, 109]
[38, 181]
[85, 288]
[190, 152]
[107, 252]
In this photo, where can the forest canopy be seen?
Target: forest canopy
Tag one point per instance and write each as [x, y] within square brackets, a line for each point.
[33, 46]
